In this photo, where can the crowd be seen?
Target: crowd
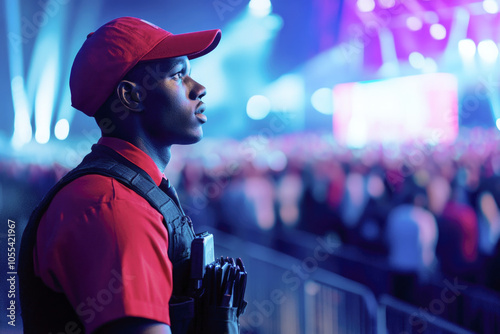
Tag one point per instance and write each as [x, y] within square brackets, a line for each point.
[427, 208]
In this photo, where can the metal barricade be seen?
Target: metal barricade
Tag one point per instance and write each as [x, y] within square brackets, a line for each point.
[397, 317]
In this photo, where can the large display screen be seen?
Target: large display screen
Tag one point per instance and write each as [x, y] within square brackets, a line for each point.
[421, 107]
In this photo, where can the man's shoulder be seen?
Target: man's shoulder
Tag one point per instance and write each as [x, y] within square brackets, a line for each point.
[94, 189]
[97, 197]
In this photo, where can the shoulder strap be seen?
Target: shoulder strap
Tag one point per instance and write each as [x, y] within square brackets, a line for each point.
[105, 161]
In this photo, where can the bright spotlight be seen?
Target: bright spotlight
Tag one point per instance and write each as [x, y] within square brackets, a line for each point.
[438, 31]
[22, 124]
[366, 5]
[260, 7]
[414, 23]
[417, 60]
[322, 101]
[490, 6]
[488, 50]
[62, 129]
[498, 123]
[258, 107]
[467, 48]
[42, 136]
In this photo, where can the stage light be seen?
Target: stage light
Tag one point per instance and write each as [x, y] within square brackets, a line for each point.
[366, 5]
[417, 60]
[488, 50]
[414, 23]
[490, 6]
[45, 98]
[467, 48]
[22, 124]
[322, 101]
[438, 31]
[498, 123]
[258, 107]
[62, 129]
[260, 7]
[387, 3]
[21, 104]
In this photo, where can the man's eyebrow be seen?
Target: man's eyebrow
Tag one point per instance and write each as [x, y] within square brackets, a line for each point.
[184, 63]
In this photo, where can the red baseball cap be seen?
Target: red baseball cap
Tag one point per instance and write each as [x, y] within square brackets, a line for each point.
[111, 51]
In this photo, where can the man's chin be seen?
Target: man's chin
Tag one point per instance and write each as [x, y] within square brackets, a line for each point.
[191, 140]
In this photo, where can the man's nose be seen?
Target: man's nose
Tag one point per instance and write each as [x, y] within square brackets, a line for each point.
[197, 90]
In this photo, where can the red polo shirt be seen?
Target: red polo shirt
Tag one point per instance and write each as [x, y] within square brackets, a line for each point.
[105, 247]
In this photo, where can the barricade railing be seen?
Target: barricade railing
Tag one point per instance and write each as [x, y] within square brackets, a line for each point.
[290, 295]
[397, 317]
[335, 304]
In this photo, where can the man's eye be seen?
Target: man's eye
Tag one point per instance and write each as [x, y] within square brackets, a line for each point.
[177, 76]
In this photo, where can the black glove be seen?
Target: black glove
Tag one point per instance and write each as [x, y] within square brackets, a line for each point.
[221, 301]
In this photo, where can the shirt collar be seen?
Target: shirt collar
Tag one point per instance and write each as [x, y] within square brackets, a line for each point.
[135, 155]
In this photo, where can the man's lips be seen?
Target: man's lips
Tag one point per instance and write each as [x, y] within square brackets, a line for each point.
[199, 112]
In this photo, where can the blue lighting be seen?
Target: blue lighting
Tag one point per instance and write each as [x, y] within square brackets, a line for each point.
[322, 101]
[22, 125]
[62, 129]
[258, 107]
[45, 96]
[22, 112]
[260, 7]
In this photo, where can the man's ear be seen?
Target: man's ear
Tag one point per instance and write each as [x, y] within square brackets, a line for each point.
[131, 95]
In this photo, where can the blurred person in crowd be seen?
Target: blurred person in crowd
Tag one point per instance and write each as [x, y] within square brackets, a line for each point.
[489, 223]
[458, 244]
[96, 256]
[488, 208]
[412, 235]
[370, 230]
[289, 191]
[317, 215]
[235, 210]
[354, 201]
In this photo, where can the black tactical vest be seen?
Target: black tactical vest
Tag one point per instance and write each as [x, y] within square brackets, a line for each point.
[46, 311]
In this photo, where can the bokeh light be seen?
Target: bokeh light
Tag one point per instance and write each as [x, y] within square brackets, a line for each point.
[488, 50]
[366, 5]
[438, 31]
[321, 100]
[61, 129]
[490, 6]
[258, 107]
[467, 48]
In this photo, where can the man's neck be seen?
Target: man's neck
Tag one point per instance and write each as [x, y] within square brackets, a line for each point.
[160, 154]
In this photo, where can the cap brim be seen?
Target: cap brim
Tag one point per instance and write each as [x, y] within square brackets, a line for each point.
[192, 45]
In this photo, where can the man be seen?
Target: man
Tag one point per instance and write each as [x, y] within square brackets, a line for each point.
[95, 256]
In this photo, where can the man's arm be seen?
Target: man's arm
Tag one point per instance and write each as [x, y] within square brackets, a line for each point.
[131, 325]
